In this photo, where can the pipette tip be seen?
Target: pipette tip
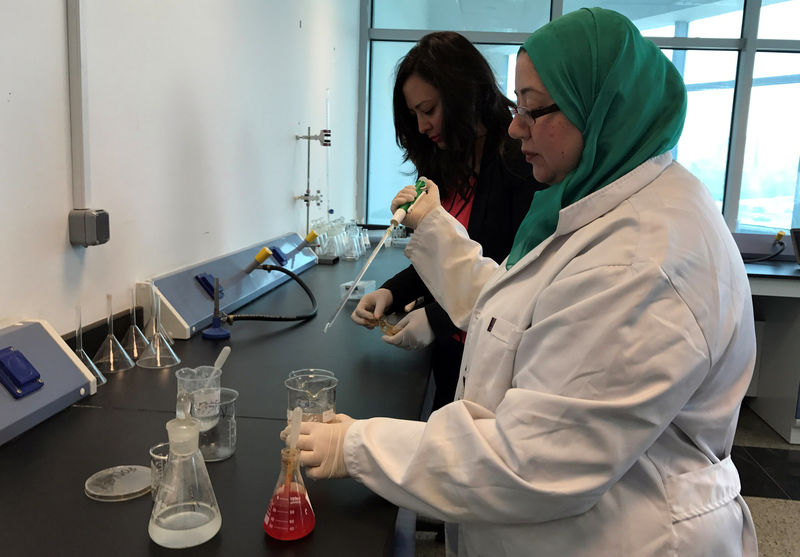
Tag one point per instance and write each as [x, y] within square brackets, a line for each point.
[325, 330]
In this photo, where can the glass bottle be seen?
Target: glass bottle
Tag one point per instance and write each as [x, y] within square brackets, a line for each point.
[289, 515]
[185, 512]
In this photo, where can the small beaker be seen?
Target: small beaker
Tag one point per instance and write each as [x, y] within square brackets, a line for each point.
[158, 460]
[202, 386]
[219, 441]
[314, 392]
[289, 514]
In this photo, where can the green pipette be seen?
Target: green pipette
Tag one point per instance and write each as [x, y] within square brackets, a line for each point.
[397, 218]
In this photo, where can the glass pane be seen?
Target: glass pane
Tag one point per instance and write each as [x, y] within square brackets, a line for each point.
[703, 146]
[779, 19]
[386, 174]
[770, 178]
[720, 19]
[510, 16]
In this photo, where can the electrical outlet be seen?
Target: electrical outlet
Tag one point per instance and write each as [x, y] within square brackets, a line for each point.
[88, 227]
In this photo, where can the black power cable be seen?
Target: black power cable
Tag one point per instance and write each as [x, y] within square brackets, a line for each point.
[261, 317]
[777, 248]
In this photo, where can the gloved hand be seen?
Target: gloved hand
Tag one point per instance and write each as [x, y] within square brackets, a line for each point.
[321, 447]
[371, 306]
[427, 202]
[414, 331]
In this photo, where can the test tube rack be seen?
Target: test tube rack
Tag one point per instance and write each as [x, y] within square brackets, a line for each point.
[187, 307]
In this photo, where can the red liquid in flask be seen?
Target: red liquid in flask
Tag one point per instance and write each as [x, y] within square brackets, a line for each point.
[289, 515]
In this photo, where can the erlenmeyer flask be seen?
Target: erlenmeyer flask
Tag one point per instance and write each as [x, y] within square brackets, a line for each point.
[81, 353]
[185, 512]
[134, 341]
[157, 354]
[111, 356]
[289, 515]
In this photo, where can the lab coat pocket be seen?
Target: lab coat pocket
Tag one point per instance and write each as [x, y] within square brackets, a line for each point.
[492, 364]
[700, 491]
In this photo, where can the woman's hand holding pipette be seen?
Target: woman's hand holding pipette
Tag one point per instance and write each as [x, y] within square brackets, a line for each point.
[371, 306]
[427, 201]
[322, 447]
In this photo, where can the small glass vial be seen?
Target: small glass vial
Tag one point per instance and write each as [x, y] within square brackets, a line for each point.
[289, 515]
[185, 512]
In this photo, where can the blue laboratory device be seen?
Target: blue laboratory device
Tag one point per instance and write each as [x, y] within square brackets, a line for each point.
[41, 376]
[186, 301]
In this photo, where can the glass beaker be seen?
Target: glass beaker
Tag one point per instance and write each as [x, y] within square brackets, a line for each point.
[219, 442]
[311, 371]
[185, 512]
[158, 461]
[314, 393]
[289, 514]
[202, 384]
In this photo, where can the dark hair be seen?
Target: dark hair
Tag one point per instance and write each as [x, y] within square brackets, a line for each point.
[469, 94]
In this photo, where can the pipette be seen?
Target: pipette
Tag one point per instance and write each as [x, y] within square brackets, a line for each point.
[223, 356]
[291, 441]
[397, 218]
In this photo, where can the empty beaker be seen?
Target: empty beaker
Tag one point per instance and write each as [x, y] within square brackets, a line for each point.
[158, 461]
[314, 392]
[185, 512]
[219, 441]
[289, 514]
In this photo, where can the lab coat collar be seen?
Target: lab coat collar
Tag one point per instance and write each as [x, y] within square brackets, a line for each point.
[600, 202]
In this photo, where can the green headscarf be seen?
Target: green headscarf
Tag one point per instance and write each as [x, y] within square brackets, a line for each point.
[618, 89]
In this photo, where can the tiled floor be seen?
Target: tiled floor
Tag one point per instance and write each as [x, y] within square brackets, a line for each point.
[769, 468]
[770, 472]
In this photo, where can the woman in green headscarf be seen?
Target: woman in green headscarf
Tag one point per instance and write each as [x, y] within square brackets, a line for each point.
[606, 360]
[614, 88]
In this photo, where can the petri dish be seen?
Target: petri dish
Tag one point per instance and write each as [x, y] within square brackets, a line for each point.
[119, 483]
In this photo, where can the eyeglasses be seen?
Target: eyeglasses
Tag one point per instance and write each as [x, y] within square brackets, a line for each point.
[533, 113]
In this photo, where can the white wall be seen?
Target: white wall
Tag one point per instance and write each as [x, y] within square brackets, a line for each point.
[193, 107]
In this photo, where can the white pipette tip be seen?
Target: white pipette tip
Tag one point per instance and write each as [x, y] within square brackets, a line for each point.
[223, 355]
[325, 330]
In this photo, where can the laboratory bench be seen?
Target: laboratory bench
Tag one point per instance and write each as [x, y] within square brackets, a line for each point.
[43, 508]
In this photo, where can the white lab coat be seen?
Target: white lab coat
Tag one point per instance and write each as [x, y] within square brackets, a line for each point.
[600, 384]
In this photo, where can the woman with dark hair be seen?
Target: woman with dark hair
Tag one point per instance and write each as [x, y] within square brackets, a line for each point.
[451, 121]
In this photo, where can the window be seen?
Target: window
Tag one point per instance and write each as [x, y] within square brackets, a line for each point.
[740, 60]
